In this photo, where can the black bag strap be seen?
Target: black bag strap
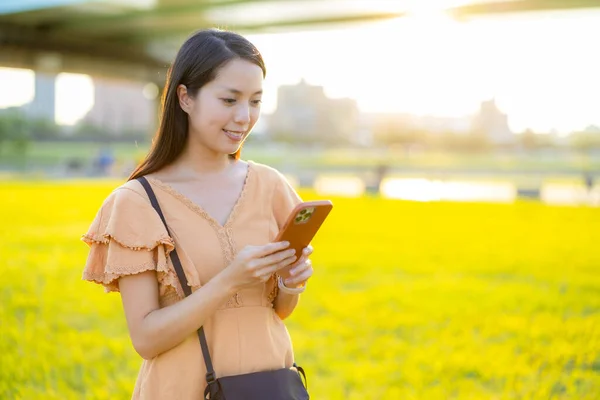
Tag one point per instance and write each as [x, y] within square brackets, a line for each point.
[210, 373]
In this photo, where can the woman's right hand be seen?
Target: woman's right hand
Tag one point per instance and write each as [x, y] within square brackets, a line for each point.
[256, 264]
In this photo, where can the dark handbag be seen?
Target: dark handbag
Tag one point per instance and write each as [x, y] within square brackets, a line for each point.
[279, 384]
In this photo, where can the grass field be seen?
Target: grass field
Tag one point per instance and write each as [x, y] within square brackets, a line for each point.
[409, 301]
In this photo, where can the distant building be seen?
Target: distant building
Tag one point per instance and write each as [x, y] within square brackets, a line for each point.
[305, 114]
[592, 129]
[493, 123]
[121, 106]
[388, 127]
[459, 125]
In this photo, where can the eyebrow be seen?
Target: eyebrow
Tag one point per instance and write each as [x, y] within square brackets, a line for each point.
[235, 91]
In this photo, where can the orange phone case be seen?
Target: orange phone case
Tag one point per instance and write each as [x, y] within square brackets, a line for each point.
[302, 225]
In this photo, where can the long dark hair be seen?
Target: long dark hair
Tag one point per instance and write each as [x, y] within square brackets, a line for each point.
[195, 65]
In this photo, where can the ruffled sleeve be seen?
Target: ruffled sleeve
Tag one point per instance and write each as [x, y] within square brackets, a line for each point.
[127, 237]
[284, 200]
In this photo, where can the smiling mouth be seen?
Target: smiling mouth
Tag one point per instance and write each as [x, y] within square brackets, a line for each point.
[234, 135]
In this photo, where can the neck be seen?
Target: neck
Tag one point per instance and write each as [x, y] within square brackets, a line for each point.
[197, 160]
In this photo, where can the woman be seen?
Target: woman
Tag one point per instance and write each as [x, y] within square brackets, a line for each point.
[223, 215]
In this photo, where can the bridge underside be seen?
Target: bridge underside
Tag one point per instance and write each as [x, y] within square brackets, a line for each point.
[137, 41]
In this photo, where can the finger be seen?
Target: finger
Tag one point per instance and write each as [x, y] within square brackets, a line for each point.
[301, 260]
[263, 274]
[271, 268]
[296, 280]
[263, 251]
[307, 251]
[277, 257]
[300, 267]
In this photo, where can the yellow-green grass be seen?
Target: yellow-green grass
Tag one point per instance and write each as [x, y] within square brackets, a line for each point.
[408, 301]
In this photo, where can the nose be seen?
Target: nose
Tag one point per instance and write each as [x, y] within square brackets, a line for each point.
[242, 114]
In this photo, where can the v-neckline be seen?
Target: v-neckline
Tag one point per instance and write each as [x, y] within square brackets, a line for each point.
[198, 209]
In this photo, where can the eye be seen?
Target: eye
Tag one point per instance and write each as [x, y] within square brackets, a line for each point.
[228, 101]
[256, 102]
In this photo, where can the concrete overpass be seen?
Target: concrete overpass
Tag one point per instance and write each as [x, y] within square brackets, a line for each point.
[136, 39]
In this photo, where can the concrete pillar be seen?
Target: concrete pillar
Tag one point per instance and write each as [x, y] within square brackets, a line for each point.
[44, 100]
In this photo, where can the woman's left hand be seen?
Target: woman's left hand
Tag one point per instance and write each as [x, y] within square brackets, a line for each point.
[301, 270]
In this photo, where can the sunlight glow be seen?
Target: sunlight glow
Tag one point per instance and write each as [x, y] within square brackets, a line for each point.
[436, 190]
[351, 186]
[432, 7]
[75, 97]
[16, 87]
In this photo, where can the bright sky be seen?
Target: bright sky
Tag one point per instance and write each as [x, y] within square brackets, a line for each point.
[541, 68]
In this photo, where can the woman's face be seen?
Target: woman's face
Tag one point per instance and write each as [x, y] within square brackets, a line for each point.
[225, 110]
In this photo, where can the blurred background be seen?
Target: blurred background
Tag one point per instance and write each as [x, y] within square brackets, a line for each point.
[460, 141]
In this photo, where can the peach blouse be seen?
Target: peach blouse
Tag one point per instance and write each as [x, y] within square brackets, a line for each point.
[245, 335]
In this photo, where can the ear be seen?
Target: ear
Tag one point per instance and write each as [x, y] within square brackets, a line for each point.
[185, 101]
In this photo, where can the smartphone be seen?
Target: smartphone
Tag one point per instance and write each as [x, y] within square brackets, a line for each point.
[302, 225]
